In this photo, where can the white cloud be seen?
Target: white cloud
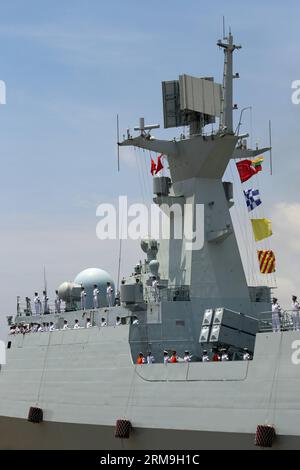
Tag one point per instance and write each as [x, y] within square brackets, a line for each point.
[285, 240]
[286, 223]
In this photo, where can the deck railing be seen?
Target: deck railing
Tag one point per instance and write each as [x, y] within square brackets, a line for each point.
[25, 310]
[285, 317]
[169, 294]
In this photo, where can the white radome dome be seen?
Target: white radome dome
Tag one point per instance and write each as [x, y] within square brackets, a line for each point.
[91, 276]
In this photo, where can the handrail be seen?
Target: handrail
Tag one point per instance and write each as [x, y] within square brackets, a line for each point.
[171, 293]
[23, 311]
[285, 319]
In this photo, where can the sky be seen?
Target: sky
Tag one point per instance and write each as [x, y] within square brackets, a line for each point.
[71, 66]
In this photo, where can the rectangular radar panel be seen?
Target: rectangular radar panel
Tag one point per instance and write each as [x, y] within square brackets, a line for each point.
[200, 94]
[178, 94]
[173, 117]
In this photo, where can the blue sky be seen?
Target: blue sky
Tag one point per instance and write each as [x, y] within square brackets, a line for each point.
[70, 66]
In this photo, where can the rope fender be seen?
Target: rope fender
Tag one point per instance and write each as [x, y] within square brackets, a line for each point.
[35, 415]
[265, 435]
[123, 429]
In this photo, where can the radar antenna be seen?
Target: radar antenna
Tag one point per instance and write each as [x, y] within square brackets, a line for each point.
[143, 128]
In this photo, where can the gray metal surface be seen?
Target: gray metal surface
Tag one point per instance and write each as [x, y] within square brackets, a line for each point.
[200, 95]
[19, 434]
[86, 379]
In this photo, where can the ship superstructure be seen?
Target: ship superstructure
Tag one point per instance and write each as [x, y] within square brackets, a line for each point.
[84, 381]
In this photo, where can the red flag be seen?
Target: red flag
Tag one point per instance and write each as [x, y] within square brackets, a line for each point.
[159, 165]
[153, 167]
[246, 169]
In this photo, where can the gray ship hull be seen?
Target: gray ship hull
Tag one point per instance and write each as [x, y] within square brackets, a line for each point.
[85, 380]
[22, 435]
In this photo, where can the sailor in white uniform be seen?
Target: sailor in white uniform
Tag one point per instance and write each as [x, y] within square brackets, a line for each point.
[187, 357]
[103, 322]
[155, 289]
[65, 327]
[166, 357]
[76, 325]
[96, 296]
[82, 298]
[295, 313]
[224, 355]
[109, 294]
[51, 327]
[150, 358]
[57, 302]
[37, 304]
[246, 355]
[88, 323]
[205, 357]
[45, 303]
[28, 306]
[276, 312]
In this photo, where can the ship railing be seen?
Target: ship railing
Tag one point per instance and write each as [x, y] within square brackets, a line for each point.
[287, 322]
[27, 310]
[168, 294]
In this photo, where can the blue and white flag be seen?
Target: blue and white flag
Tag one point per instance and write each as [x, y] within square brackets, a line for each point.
[252, 199]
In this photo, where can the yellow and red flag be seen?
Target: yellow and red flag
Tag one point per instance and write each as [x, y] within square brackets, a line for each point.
[266, 260]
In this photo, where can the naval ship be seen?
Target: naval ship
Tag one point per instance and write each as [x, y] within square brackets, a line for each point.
[83, 389]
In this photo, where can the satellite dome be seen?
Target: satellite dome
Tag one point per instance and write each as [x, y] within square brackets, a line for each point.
[91, 276]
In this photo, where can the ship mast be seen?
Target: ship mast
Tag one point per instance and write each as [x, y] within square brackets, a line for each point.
[226, 120]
